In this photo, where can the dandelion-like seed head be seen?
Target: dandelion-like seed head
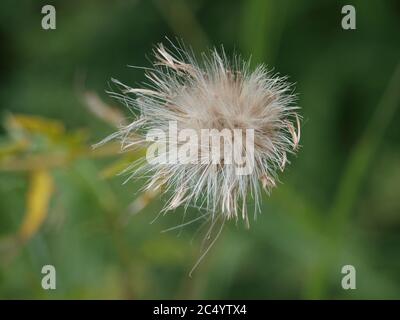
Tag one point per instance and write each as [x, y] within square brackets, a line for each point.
[213, 93]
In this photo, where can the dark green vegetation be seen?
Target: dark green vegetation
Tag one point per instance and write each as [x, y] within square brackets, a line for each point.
[338, 202]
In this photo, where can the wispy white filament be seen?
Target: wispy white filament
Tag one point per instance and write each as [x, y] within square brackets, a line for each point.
[213, 93]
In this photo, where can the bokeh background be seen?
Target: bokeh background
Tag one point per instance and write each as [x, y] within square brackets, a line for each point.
[61, 203]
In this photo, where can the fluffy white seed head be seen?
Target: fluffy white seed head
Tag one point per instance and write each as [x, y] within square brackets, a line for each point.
[213, 93]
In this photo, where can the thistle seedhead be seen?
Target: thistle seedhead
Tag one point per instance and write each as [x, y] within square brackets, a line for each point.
[218, 94]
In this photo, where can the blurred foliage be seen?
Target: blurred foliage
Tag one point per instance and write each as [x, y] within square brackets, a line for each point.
[63, 203]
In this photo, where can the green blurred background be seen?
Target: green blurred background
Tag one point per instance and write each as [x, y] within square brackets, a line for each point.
[63, 204]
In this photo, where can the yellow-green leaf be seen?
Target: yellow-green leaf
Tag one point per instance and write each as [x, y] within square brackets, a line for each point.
[34, 124]
[37, 203]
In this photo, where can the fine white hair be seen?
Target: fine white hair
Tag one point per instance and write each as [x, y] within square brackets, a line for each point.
[212, 93]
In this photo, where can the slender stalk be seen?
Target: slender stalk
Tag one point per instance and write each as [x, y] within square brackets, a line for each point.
[349, 185]
[361, 158]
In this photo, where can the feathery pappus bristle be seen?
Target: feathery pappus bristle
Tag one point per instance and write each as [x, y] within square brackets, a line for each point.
[216, 132]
